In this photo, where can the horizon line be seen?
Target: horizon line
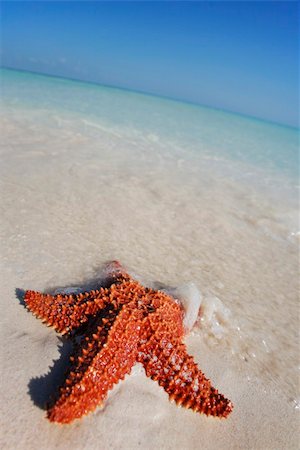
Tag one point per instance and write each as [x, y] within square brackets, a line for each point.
[150, 94]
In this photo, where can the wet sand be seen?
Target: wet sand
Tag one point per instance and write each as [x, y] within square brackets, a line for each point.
[75, 196]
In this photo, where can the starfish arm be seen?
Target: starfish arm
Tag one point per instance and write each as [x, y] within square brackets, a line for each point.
[171, 366]
[66, 312]
[115, 272]
[88, 384]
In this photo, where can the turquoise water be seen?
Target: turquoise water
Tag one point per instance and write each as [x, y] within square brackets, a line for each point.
[199, 130]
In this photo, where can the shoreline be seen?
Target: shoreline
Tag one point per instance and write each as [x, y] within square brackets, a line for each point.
[156, 96]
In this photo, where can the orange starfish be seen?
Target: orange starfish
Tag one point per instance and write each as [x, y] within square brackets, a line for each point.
[127, 323]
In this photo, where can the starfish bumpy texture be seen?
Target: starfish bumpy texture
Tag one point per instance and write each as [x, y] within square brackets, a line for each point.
[124, 324]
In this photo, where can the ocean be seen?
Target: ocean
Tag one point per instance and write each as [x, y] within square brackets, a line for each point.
[178, 193]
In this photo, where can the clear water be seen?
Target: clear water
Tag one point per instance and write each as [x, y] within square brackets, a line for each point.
[178, 193]
[213, 133]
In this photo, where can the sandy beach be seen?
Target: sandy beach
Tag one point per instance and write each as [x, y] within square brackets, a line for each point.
[77, 193]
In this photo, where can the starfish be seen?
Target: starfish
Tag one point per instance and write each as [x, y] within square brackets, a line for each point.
[120, 325]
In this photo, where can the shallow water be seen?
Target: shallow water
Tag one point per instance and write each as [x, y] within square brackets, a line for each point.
[176, 192]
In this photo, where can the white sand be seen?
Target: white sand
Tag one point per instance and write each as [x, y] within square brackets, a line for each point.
[76, 196]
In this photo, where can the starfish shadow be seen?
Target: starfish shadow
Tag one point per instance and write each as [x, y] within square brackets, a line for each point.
[43, 389]
[20, 293]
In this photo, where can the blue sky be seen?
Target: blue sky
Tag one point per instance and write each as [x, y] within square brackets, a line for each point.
[239, 56]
